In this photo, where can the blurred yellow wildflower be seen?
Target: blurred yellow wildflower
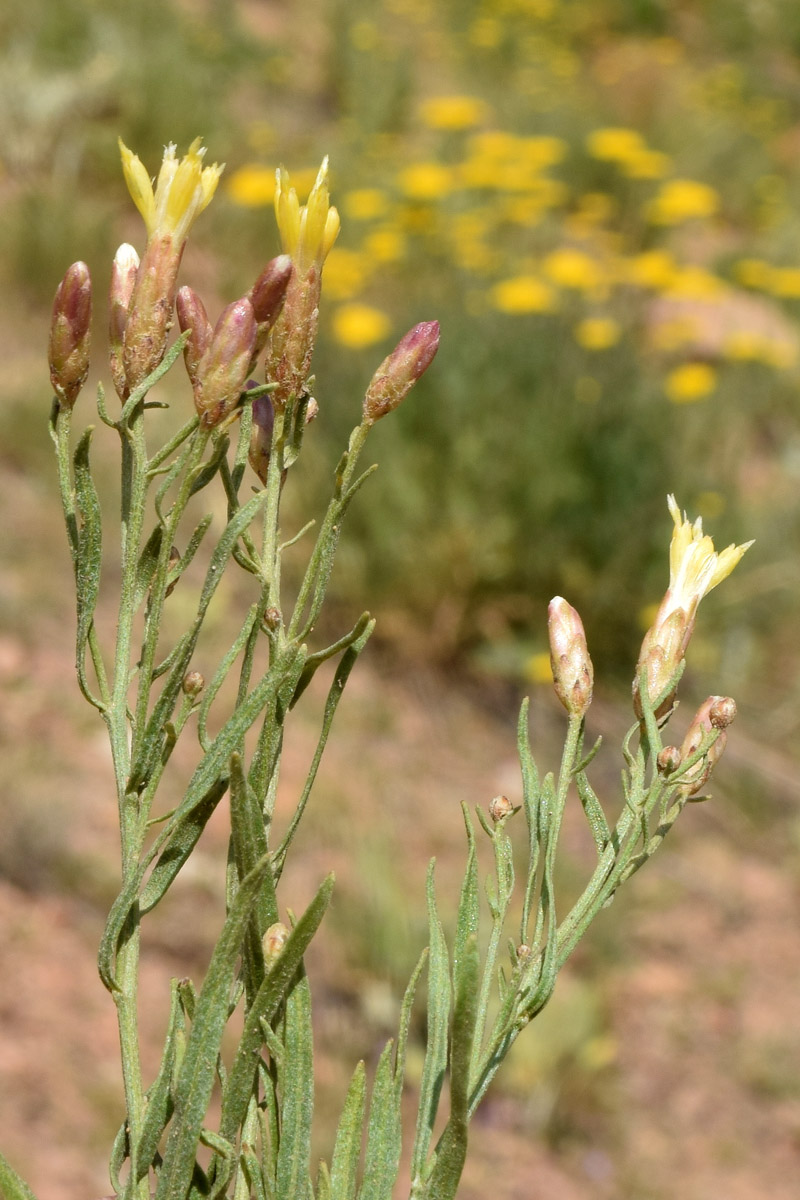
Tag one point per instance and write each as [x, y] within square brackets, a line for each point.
[653, 269]
[537, 668]
[743, 345]
[647, 164]
[385, 245]
[542, 151]
[523, 294]
[615, 144]
[672, 334]
[453, 113]
[694, 283]
[359, 325]
[308, 231]
[425, 181]
[597, 333]
[183, 189]
[346, 272]
[252, 186]
[753, 273]
[486, 33]
[690, 382]
[682, 200]
[572, 268]
[365, 204]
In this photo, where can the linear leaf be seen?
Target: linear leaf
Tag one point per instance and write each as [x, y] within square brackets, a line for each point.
[196, 1079]
[384, 1133]
[146, 566]
[249, 842]
[159, 1099]
[435, 1065]
[347, 1148]
[89, 553]
[265, 1004]
[405, 1022]
[297, 1102]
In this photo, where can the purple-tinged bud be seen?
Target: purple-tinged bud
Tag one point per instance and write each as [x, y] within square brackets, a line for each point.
[573, 674]
[123, 277]
[722, 712]
[398, 373]
[702, 725]
[223, 369]
[669, 759]
[192, 315]
[261, 436]
[499, 807]
[69, 334]
[267, 296]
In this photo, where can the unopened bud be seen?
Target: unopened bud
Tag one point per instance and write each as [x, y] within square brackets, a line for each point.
[312, 410]
[192, 315]
[261, 436]
[398, 373]
[275, 939]
[272, 619]
[499, 807]
[267, 295]
[193, 683]
[69, 334]
[669, 759]
[523, 952]
[123, 278]
[573, 674]
[223, 369]
[660, 657]
[698, 732]
[722, 712]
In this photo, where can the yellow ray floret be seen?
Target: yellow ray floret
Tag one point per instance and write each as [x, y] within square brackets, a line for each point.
[183, 189]
[307, 231]
[694, 566]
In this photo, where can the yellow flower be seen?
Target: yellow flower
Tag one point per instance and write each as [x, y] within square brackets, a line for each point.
[571, 268]
[653, 269]
[537, 667]
[308, 231]
[647, 164]
[523, 294]
[453, 113]
[753, 273]
[183, 189]
[359, 325]
[252, 186]
[682, 200]
[785, 282]
[425, 181]
[615, 144]
[385, 245]
[346, 272]
[694, 283]
[690, 382]
[694, 567]
[742, 345]
[597, 333]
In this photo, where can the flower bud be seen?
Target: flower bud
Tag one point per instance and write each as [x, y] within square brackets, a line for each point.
[669, 759]
[523, 952]
[192, 315]
[702, 725]
[398, 373]
[261, 436]
[573, 675]
[123, 277]
[222, 371]
[275, 939]
[499, 807]
[69, 334]
[722, 712]
[193, 683]
[266, 296]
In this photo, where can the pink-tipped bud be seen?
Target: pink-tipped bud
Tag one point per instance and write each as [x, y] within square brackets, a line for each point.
[500, 807]
[261, 436]
[573, 674]
[192, 315]
[69, 334]
[722, 712]
[123, 278]
[222, 371]
[703, 724]
[267, 296]
[398, 373]
[661, 655]
[669, 759]
[275, 939]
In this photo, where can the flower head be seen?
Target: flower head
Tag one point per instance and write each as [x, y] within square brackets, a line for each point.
[183, 189]
[694, 569]
[307, 231]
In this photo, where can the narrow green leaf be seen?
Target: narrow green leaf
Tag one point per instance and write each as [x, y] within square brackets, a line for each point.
[594, 812]
[265, 1004]
[435, 1065]
[468, 907]
[531, 801]
[12, 1185]
[314, 661]
[384, 1133]
[297, 1101]
[249, 842]
[196, 1079]
[146, 566]
[184, 837]
[405, 1023]
[324, 1182]
[159, 1098]
[347, 1148]
[206, 471]
[253, 1175]
[89, 555]
[193, 546]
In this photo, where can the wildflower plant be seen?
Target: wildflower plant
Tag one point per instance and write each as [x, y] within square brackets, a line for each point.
[482, 988]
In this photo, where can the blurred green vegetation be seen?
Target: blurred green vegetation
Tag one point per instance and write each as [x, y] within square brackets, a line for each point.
[599, 201]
